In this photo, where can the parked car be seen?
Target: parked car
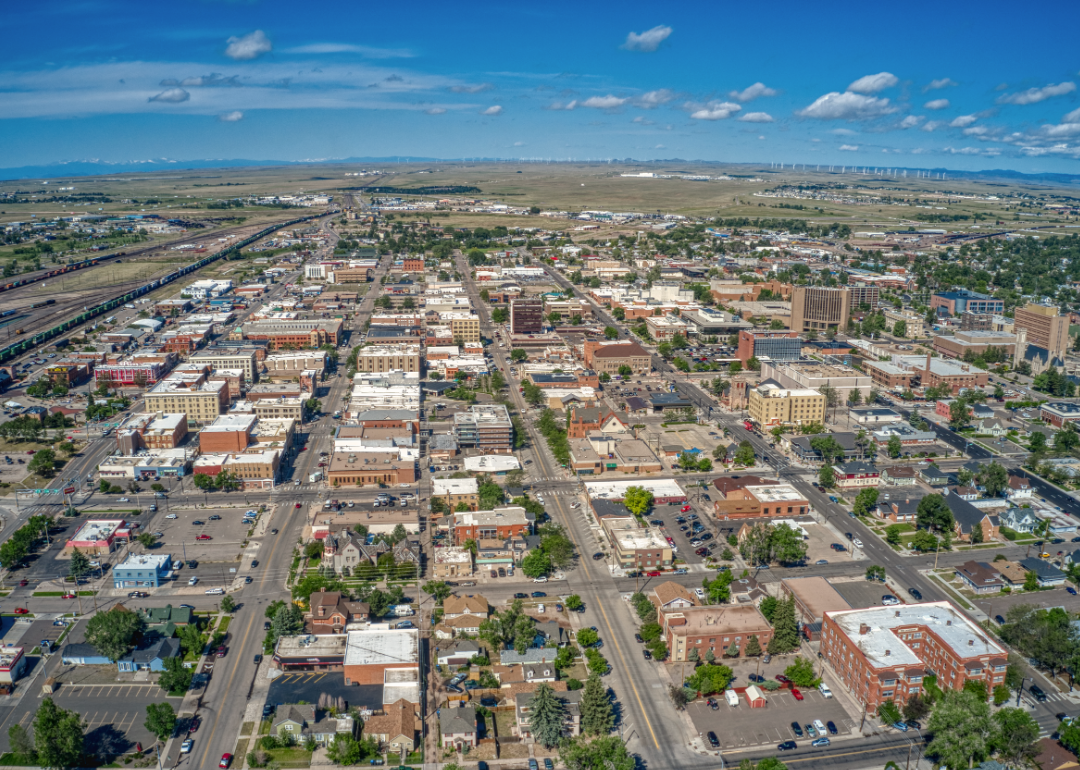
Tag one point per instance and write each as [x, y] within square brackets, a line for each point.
[888, 600]
[796, 693]
[915, 593]
[226, 760]
[821, 742]
[713, 740]
[797, 729]
[788, 745]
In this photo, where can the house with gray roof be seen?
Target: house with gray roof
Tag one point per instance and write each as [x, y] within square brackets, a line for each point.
[966, 517]
[151, 657]
[1047, 573]
[457, 727]
[1019, 520]
[531, 655]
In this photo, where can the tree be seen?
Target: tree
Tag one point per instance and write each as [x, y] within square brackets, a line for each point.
[517, 355]
[21, 743]
[536, 564]
[548, 712]
[854, 397]
[718, 591]
[785, 636]
[176, 677]
[801, 673]
[44, 462]
[768, 606]
[146, 539]
[753, 647]
[586, 637]
[745, 454]
[959, 411]
[962, 729]
[678, 695]
[894, 447]
[574, 603]
[346, 750]
[611, 332]
[900, 329]
[893, 534]
[597, 716]
[603, 753]
[437, 589]
[710, 678]
[1016, 737]
[1037, 442]
[916, 708]
[191, 639]
[58, 736]
[826, 476]
[228, 604]
[624, 371]
[638, 500]
[754, 546]
[933, 514]
[865, 500]
[79, 564]
[114, 633]
[1069, 735]
[160, 720]
[995, 478]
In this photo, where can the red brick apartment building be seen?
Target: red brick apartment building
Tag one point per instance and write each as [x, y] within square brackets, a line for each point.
[884, 653]
[413, 266]
[713, 627]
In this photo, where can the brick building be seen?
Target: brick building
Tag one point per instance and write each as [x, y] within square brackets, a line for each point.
[228, 433]
[526, 315]
[883, 653]
[608, 357]
[778, 346]
[712, 627]
[360, 469]
[373, 654]
[502, 523]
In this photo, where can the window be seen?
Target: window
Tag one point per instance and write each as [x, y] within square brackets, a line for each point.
[887, 694]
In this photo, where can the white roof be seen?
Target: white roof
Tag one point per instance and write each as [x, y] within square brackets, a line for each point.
[454, 487]
[775, 493]
[616, 490]
[883, 648]
[145, 561]
[492, 464]
[380, 645]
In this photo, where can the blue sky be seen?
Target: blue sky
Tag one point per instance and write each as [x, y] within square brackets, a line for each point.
[916, 85]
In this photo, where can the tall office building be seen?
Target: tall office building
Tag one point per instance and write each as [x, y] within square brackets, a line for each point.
[818, 309]
[1045, 328]
[526, 315]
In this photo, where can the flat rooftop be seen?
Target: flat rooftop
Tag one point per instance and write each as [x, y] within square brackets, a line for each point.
[380, 645]
[616, 490]
[776, 493]
[311, 645]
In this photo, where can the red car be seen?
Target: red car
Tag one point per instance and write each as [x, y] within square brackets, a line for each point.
[24, 583]
[22, 611]
[226, 760]
[781, 678]
[299, 506]
[795, 691]
[68, 596]
[204, 537]
[685, 508]
[196, 722]
[221, 651]
[654, 573]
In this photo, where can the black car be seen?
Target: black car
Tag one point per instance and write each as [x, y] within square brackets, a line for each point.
[266, 625]
[706, 537]
[192, 564]
[999, 620]
[597, 556]
[787, 746]
[520, 596]
[831, 727]
[489, 702]
[916, 594]
[648, 655]
[638, 638]
[797, 729]
[713, 740]
[1037, 691]
[538, 594]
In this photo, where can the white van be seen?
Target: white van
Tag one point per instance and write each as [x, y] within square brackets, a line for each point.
[731, 697]
[824, 690]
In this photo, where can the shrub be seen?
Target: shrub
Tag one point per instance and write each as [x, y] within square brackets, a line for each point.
[574, 684]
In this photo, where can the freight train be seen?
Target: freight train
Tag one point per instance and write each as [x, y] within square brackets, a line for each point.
[24, 346]
[58, 271]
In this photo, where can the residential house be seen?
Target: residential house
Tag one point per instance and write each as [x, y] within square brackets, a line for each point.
[671, 595]
[395, 729]
[452, 562]
[966, 516]
[462, 624]
[607, 421]
[539, 672]
[1019, 520]
[933, 475]
[899, 476]
[964, 493]
[348, 551]
[980, 577]
[458, 727]
[474, 604]
[457, 653]
[1019, 488]
[1011, 572]
[304, 721]
[1053, 756]
[747, 590]
[330, 612]
[898, 511]
[856, 475]
[571, 726]
[993, 427]
[151, 657]
[163, 621]
[1047, 573]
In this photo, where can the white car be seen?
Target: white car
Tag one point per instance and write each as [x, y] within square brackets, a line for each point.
[214, 591]
[824, 690]
[172, 516]
[193, 580]
[123, 500]
[699, 593]
[575, 506]
[185, 747]
[856, 542]
[541, 579]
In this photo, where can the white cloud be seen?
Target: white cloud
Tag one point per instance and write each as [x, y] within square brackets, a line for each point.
[608, 102]
[911, 121]
[714, 111]
[214, 79]
[249, 46]
[987, 151]
[919, 151]
[649, 40]
[849, 147]
[757, 117]
[652, 99]
[642, 120]
[963, 121]
[473, 89]
[435, 110]
[1072, 117]
[494, 109]
[934, 125]
[563, 105]
[172, 95]
[934, 85]
[847, 106]
[519, 144]
[231, 117]
[365, 50]
[936, 104]
[660, 147]
[750, 93]
[976, 131]
[871, 84]
[1036, 95]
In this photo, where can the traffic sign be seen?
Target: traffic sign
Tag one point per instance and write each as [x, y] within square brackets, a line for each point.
[69, 490]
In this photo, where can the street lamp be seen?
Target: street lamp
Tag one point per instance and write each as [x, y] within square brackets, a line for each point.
[1020, 690]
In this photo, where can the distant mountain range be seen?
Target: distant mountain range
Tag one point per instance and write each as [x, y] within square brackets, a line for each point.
[80, 168]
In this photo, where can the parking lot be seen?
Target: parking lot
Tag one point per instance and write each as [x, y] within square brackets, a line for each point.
[741, 726]
[669, 515]
[114, 714]
[864, 593]
[306, 687]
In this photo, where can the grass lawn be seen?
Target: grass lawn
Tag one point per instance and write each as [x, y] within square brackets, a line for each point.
[294, 757]
[504, 722]
[246, 728]
[223, 626]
